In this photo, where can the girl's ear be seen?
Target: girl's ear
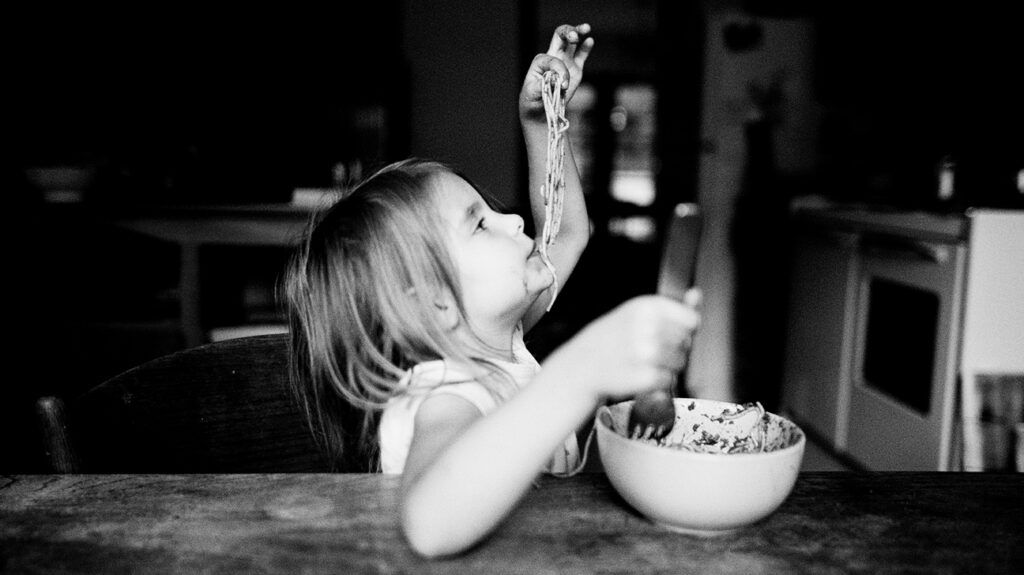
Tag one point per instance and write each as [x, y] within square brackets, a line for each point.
[443, 304]
[448, 312]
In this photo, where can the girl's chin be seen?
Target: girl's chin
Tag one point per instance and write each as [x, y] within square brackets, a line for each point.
[543, 279]
[540, 287]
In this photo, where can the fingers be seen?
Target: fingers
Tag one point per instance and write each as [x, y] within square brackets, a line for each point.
[693, 298]
[643, 344]
[569, 49]
[545, 62]
[683, 318]
[572, 43]
[583, 52]
[672, 325]
[566, 39]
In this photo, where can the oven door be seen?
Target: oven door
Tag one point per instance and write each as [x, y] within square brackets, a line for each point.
[907, 336]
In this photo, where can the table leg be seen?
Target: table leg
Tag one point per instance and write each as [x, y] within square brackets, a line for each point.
[191, 320]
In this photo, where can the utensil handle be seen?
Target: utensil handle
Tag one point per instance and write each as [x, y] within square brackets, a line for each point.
[679, 254]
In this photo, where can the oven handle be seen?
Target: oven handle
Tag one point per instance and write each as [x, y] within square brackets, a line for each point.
[906, 248]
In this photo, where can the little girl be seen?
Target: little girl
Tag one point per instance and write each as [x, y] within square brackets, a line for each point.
[408, 303]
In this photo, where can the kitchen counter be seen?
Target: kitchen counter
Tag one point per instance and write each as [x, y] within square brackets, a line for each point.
[872, 218]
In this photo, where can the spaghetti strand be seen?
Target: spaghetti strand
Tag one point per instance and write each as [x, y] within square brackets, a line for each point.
[553, 188]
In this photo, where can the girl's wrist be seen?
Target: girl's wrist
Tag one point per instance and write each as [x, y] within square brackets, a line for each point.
[536, 133]
[533, 118]
[570, 383]
[536, 140]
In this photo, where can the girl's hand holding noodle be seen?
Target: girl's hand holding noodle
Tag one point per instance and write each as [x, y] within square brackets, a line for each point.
[568, 52]
[409, 301]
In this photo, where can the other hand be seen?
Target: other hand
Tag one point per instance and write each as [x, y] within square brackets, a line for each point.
[639, 346]
[568, 52]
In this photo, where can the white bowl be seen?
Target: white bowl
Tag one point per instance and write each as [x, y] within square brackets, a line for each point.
[701, 493]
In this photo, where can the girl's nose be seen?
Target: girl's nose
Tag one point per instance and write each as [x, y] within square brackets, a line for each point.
[517, 223]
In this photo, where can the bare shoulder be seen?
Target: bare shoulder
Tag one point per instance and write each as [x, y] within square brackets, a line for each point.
[440, 419]
[446, 410]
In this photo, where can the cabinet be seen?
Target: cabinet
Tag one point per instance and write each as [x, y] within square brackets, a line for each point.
[821, 307]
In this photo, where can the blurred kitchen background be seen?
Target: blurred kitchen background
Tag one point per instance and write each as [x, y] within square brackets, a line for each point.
[161, 162]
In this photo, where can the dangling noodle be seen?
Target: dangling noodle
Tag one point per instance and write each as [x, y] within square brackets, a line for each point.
[553, 188]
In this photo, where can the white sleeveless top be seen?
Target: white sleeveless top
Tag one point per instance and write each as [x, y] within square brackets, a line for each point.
[439, 376]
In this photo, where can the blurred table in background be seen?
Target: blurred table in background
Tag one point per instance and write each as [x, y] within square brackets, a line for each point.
[193, 227]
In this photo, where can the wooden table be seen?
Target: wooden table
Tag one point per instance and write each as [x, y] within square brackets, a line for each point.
[337, 523]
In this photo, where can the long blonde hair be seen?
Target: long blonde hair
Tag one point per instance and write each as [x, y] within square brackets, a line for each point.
[360, 294]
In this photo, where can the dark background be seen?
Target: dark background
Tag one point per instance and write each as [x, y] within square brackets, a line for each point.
[904, 86]
[185, 105]
[194, 106]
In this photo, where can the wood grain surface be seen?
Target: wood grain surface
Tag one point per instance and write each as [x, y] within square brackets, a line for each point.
[346, 523]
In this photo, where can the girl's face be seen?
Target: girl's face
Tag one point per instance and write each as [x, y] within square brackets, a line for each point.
[499, 267]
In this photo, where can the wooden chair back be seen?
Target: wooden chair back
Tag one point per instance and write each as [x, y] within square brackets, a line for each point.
[222, 407]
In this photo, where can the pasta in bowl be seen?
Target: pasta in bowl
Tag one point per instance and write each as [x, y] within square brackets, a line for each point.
[722, 467]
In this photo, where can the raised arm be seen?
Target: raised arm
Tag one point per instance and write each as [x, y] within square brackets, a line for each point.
[569, 49]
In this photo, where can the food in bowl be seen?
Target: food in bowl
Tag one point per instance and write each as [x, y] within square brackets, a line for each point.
[723, 466]
[739, 429]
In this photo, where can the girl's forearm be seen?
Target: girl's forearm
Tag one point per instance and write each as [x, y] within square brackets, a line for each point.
[477, 481]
